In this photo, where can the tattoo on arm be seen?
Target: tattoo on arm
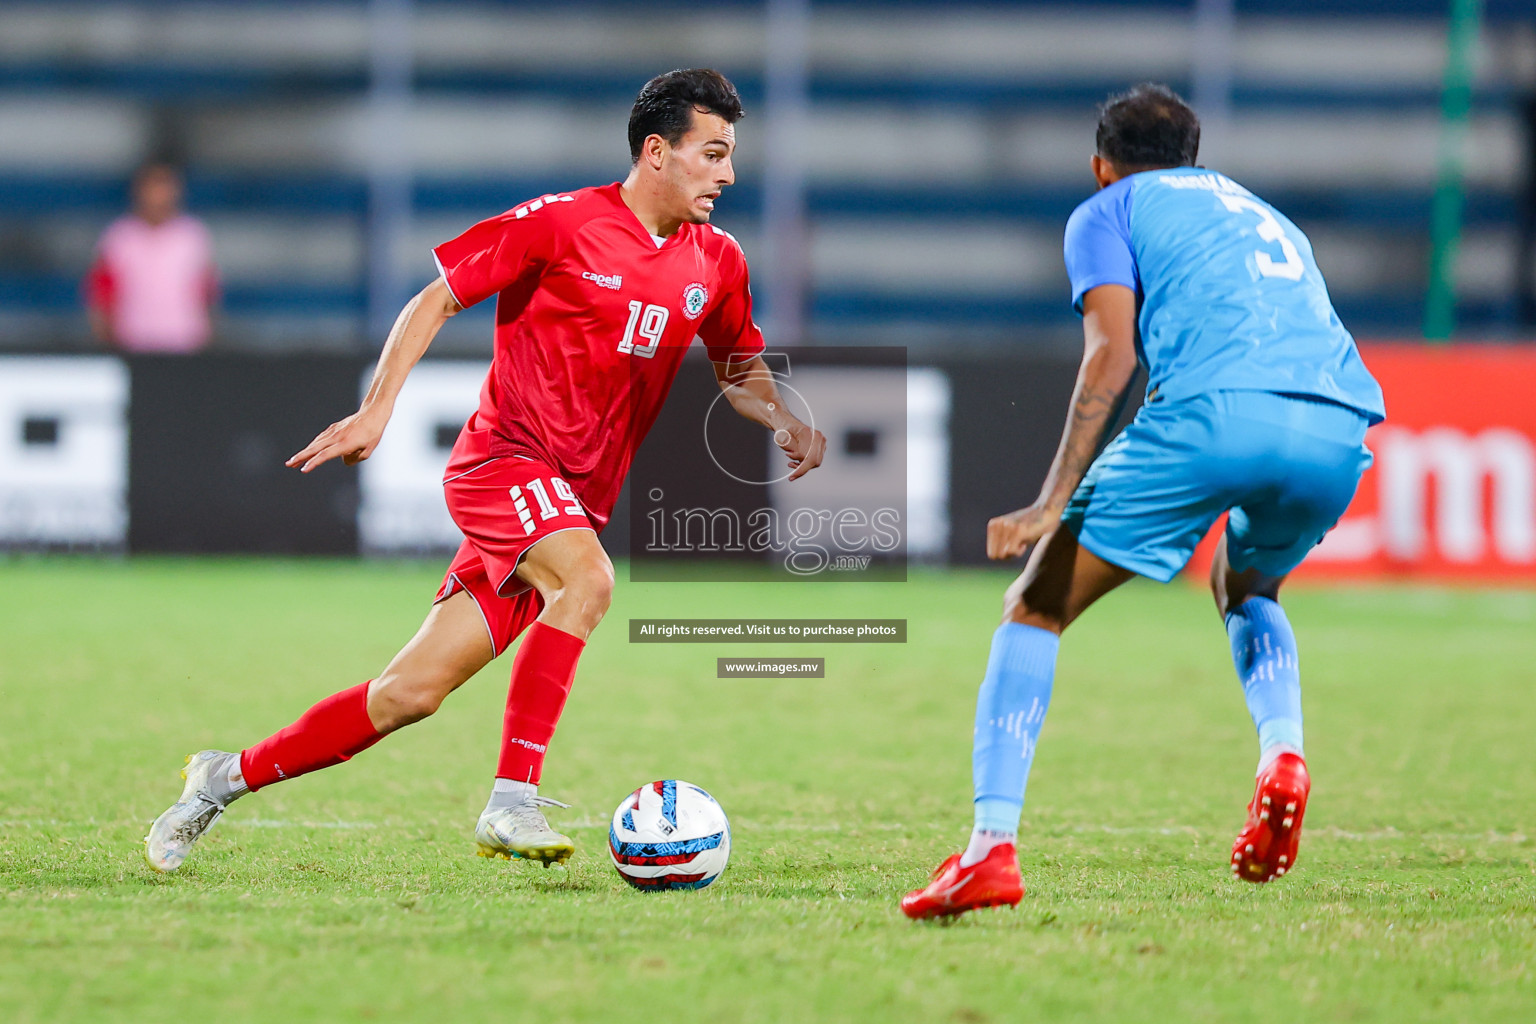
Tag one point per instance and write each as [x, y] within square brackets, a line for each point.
[1092, 414]
[1094, 410]
[1103, 385]
[1082, 437]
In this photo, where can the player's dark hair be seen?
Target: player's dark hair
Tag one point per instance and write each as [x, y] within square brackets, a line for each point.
[153, 167]
[665, 106]
[1148, 126]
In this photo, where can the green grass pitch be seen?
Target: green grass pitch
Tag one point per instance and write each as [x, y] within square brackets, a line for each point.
[354, 895]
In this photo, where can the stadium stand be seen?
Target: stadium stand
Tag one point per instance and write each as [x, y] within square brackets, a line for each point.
[947, 143]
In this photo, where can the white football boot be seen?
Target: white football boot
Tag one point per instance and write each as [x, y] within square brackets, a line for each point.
[207, 792]
[522, 832]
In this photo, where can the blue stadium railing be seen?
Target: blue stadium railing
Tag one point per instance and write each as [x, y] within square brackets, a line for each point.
[1402, 212]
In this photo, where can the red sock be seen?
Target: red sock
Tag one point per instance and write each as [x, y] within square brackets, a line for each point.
[328, 733]
[542, 674]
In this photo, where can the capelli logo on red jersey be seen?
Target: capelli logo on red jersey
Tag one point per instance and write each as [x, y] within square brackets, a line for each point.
[613, 281]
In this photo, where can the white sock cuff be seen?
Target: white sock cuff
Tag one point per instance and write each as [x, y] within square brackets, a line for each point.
[237, 784]
[983, 841]
[513, 786]
[1268, 755]
[507, 793]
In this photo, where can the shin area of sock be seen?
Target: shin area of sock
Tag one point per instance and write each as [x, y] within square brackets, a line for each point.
[333, 731]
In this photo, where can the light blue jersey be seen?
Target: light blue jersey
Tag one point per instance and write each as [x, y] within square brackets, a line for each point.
[1257, 400]
[1229, 296]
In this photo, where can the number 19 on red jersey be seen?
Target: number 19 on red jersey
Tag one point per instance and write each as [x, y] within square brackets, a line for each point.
[649, 322]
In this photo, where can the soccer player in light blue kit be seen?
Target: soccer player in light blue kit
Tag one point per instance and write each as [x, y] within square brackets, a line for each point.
[1257, 404]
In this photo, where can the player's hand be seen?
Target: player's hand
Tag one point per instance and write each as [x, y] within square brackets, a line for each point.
[1011, 535]
[352, 439]
[806, 447]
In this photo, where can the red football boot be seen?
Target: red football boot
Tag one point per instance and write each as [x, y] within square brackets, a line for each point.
[1266, 847]
[993, 881]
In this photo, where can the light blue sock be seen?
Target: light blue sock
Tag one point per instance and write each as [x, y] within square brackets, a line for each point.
[1264, 652]
[1010, 709]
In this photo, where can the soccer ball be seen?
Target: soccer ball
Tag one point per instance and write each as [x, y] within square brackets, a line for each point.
[669, 835]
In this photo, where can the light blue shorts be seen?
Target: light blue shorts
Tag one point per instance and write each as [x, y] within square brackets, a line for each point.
[1285, 465]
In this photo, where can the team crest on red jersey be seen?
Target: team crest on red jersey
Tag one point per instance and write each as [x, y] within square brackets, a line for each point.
[695, 297]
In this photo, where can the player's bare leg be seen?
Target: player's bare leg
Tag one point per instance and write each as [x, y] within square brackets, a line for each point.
[450, 647]
[1059, 582]
[1264, 652]
[572, 573]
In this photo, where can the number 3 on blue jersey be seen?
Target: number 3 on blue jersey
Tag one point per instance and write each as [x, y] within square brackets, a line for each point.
[1270, 230]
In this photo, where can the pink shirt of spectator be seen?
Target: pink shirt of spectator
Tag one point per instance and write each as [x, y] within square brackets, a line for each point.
[153, 284]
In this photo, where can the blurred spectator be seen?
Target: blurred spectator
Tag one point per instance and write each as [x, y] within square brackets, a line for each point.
[153, 284]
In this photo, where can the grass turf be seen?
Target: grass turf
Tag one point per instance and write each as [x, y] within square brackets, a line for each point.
[353, 894]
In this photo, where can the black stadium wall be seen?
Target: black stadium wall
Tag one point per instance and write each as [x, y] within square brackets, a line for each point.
[206, 438]
[1005, 422]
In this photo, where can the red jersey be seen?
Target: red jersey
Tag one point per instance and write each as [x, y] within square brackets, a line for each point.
[592, 321]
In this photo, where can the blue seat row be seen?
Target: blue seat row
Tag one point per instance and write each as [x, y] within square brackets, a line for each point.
[1365, 206]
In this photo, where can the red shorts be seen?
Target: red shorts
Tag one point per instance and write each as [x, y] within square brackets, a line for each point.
[504, 507]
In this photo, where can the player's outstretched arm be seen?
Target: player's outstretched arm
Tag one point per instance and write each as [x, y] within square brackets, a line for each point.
[354, 438]
[1103, 380]
[750, 388]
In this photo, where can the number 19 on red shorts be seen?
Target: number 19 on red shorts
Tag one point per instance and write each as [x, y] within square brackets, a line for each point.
[535, 507]
[506, 506]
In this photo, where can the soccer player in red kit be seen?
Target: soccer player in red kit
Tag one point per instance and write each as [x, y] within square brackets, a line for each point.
[599, 294]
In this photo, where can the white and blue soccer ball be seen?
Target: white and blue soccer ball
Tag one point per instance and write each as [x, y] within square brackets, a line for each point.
[669, 835]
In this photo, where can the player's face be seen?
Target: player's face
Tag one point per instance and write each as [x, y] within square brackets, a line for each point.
[157, 194]
[699, 167]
